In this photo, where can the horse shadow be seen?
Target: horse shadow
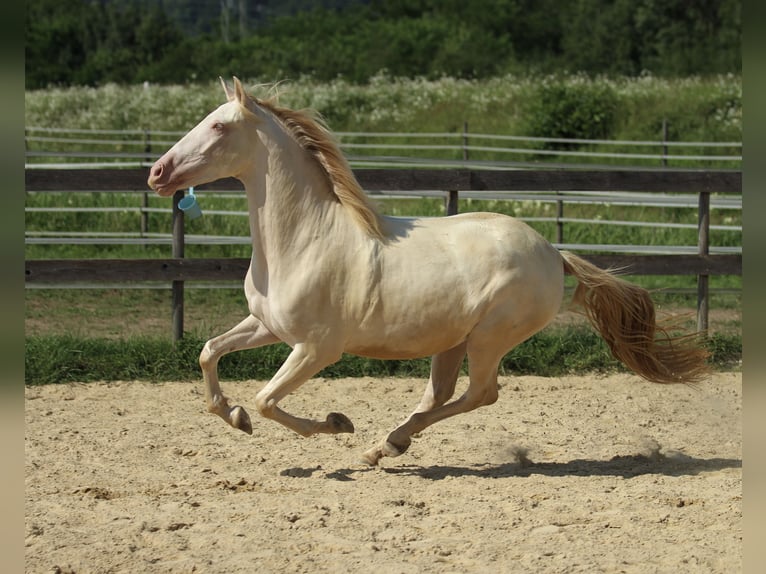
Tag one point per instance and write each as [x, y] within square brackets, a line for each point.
[630, 466]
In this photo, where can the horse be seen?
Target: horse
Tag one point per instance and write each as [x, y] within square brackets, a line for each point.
[329, 274]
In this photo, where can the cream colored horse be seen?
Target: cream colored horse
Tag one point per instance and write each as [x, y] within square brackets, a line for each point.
[330, 275]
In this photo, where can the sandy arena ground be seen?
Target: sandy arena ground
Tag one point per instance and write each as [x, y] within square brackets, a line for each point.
[619, 476]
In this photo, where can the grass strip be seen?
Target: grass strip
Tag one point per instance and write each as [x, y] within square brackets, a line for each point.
[54, 359]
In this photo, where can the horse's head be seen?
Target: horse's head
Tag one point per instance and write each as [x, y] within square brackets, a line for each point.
[215, 148]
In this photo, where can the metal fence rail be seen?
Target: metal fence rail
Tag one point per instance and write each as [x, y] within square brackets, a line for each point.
[598, 198]
[139, 148]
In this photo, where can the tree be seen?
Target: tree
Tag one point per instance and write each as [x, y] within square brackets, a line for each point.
[57, 41]
[96, 41]
[600, 37]
[683, 37]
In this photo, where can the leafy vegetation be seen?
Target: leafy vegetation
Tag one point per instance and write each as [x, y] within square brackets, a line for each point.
[694, 109]
[92, 42]
[573, 110]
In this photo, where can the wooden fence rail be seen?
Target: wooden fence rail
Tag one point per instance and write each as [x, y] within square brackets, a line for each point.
[176, 270]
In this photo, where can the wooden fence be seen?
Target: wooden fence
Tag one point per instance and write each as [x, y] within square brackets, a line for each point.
[176, 270]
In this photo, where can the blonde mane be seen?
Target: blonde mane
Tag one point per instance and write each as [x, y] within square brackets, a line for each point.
[314, 137]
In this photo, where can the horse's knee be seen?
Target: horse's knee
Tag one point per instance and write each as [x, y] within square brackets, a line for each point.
[206, 357]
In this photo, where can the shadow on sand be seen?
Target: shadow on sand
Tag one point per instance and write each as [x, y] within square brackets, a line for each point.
[625, 466]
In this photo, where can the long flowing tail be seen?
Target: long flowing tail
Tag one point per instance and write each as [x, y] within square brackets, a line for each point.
[624, 315]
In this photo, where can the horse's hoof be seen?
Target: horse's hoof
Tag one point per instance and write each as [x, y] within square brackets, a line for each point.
[241, 420]
[339, 423]
[372, 456]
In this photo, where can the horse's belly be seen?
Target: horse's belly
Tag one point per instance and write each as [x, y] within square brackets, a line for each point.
[412, 328]
[404, 346]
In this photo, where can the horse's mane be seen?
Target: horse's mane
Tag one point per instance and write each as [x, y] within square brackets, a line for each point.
[311, 133]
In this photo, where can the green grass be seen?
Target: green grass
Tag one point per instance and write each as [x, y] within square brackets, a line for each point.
[66, 358]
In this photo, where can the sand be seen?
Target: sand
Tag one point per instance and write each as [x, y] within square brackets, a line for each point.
[567, 474]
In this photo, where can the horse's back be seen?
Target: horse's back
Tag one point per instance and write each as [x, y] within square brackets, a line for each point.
[510, 263]
[490, 241]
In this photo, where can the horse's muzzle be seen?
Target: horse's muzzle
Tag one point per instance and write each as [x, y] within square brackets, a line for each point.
[158, 178]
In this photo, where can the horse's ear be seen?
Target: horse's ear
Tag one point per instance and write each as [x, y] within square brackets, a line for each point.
[226, 90]
[239, 91]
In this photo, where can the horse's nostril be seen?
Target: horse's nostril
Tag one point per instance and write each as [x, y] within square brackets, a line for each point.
[155, 174]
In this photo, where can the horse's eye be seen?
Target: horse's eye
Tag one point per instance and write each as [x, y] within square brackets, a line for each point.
[218, 127]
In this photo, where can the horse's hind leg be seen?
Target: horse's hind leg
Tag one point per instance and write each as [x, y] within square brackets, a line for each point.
[248, 334]
[482, 390]
[445, 368]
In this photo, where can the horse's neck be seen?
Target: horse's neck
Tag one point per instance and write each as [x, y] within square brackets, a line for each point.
[291, 206]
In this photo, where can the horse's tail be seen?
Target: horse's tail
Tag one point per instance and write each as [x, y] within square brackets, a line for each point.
[624, 315]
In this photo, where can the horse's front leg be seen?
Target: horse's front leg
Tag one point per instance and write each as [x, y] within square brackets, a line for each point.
[304, 362]
[248, 334]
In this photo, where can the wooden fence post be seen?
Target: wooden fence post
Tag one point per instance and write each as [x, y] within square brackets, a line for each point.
[177, 302]
[703, 248]
[451, 200]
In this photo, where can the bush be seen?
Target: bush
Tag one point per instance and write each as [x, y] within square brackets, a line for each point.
[725, 350]
[572, 109]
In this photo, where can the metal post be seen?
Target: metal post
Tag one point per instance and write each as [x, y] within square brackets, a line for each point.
[664, 142]
[178, 252]
[145, 198]
[703, 243]
[559, 222]
[148, 145]
[465, 141]
[144, 214]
